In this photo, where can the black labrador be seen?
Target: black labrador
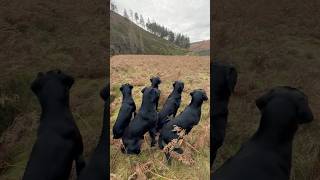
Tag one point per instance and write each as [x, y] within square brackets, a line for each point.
[155, 81]
[267, 155]
[185, 120]
[126, 113]
[144, 121]
[59, 141]
[97, 166]
[171, 105]
[223, 81]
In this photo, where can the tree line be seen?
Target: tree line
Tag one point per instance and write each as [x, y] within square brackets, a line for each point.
[154, 28]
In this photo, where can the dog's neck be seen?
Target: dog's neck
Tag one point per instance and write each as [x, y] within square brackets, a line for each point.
[277, 124]
[127, 97]
[155, 85]
[52, 107]
[147, 105]
[196, 103]
[275, 132]
[175, 93]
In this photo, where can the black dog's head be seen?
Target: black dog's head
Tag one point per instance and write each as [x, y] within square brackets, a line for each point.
[126, 88]
[295, 97]
[150, 95]
[179, 86]
[224, 78]
[131, 146]
[198, 95]
[53, 84]
[155, 81]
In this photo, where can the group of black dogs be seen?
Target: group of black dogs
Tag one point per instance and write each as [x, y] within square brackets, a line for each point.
[267, 154]
[59, 141]
[131, 126]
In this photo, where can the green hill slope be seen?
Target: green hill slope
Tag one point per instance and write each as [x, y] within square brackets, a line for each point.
[128, 38]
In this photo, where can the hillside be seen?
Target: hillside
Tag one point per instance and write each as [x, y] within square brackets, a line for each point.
[37, 36]
[271, 43]
[201, 48]
[128, 38]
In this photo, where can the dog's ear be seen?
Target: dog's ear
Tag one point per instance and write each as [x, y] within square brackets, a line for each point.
[143, 89]
[262, 101]
[205, 97]
[68, 81]
[191, 94]
[232, 77]
[305, 114]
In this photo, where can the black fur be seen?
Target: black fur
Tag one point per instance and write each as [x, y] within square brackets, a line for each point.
[171, 105]
[59, 141]
[126, 113]
[267, 155]
[224, 79]
[97, 166]
[155, 81]
[185, 120]
[144, 121]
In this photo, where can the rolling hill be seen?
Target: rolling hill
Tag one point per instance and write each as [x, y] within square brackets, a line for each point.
[128, 38]
[201, 48]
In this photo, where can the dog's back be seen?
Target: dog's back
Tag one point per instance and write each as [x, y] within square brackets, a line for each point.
[223, 80]
[126, 112]
[144, 121]
[188, 118]
[59, 141]
[267, 155]
[171, 105]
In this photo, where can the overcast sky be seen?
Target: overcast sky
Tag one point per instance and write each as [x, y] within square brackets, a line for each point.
[190, 17]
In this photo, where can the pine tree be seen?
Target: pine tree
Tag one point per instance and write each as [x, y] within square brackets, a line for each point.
[142, 21]
[136, 17]
[125, 14]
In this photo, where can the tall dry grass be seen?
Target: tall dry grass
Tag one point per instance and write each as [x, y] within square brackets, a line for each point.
[151, 163]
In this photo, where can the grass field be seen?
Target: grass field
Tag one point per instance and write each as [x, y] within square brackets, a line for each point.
[151, 163]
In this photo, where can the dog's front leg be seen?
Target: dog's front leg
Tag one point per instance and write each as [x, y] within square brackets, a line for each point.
[152, 133]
